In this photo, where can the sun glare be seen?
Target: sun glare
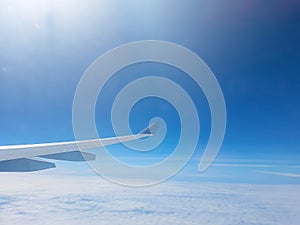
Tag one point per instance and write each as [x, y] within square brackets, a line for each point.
[37, 14]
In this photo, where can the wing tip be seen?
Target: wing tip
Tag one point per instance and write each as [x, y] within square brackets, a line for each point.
[150, 129]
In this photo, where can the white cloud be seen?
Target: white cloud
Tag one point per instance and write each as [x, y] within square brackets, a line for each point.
[280, 174]
[240, 165]
[294, 166]
[60, 200]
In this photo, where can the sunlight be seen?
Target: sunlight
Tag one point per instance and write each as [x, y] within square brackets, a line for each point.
[34, 14]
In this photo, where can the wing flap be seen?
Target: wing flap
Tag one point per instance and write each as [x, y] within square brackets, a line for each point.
[75, 156]
[24, 165]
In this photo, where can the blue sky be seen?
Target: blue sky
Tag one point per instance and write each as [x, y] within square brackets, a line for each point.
[251, 46]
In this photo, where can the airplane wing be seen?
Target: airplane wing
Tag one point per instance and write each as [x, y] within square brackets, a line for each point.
[26, 158]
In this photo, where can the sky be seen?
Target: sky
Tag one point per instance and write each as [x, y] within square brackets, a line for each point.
[251, 46]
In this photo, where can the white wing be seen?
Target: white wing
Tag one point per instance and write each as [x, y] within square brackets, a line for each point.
[21, 158]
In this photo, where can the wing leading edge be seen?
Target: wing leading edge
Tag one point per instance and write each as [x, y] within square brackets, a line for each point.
[22, 158]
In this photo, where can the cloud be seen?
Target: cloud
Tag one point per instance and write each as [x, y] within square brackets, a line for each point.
[59, 200]
[280, 174]
[294, 166]
[240, 165]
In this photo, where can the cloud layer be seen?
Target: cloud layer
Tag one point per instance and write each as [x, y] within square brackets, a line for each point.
[60, 200]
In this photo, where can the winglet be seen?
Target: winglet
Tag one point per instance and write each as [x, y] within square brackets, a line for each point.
[151, 129]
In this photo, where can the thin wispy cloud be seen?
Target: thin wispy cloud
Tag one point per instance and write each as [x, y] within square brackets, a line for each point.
[240, 165]
[280, 173]
[294, 166]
